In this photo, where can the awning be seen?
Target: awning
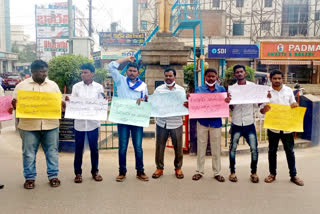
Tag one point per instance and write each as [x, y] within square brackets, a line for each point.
[316, 62]
[285, 62]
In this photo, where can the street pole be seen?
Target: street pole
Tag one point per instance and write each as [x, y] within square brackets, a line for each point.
[70, 26]
[90, 18]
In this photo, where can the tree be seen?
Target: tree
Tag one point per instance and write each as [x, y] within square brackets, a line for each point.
[26, 54]
[229, 77]
[65, 71]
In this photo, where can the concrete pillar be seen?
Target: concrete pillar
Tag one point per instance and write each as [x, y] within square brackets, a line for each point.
[286, 70]
[9, 66]
[1, 68]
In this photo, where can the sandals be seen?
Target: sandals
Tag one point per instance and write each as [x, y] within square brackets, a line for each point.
[54, 182]
[179, 174]
[254, 178]
[97, 177]
[196, 177]
[271, 178]
[29, 184]
[157, 174]
[219, 178]
[78, 179]
[233, 178]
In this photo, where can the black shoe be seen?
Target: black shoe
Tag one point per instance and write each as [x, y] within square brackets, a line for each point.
[1, 186]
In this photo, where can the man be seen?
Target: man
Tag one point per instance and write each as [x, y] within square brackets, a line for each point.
[209, 127]
[87, 88]
[38, 131]
[169, 126]
[243, 125]
[129, 87]
[281, 94]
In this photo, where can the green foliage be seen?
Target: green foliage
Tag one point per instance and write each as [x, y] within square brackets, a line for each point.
[229, 77]
[27, 54]
[64, 70]
[100, 75]
[188, 74]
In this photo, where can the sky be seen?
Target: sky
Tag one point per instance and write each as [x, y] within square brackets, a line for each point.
[104, 12]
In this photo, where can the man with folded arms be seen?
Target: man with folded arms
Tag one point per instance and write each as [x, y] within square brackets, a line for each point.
[129, 87]
[169, 126]
[281, 94]
[38, 131]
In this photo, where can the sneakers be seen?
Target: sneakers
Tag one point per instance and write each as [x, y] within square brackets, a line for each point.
[121, 177]
[142, 176]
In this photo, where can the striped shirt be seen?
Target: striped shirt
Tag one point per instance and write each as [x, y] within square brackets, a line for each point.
[123, 89]
[169, 122]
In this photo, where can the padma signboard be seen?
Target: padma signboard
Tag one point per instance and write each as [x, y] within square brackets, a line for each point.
[290, 50]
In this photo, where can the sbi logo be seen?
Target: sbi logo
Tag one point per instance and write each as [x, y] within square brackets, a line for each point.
[219, 51]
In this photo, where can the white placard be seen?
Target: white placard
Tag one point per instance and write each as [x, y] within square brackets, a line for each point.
[168, 104]
[247, 94]
[86, 109]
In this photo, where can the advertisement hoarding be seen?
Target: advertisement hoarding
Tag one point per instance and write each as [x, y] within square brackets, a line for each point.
[121, 39]
[233, 51]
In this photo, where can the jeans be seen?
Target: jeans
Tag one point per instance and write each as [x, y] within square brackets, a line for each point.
[161, 141]
[94, 151]
[124, 134]
[249, 133]
[288, 144]
[49, 140]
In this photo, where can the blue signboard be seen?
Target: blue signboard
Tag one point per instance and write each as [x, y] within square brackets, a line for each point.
[233, 51]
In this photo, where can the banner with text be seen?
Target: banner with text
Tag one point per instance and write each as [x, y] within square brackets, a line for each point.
[125, 111]
[247, 94]
[33, 104]
[86, 109]
[5, 105]
[208, 105]
[168, 104]
[284, 118]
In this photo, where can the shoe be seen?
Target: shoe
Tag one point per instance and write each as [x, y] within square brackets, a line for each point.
[233, 177]
[121, 177]
[142, 176]
[97, 177]
[157, 174]
[1, 186]
[78, 179]
[254, 178]
[179, 174]
[219, 178]
[297, 181]
[271, 178]
[196, 177]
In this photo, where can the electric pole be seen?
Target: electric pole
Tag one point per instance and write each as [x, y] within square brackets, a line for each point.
[70, 26]
[90, 18]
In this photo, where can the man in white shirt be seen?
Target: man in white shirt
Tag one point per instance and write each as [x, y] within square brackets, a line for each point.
[87, 88]
[169, 126]
[243, 125]
[281, 94]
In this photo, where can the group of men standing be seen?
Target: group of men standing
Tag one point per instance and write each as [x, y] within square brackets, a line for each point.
[45, 131]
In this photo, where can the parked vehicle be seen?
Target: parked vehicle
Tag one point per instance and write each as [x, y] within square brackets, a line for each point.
[11, 81]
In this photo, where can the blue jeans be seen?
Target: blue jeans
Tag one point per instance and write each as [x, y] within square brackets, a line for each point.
[124, 134]
[249, 133]
[49, 140]
[94, 151]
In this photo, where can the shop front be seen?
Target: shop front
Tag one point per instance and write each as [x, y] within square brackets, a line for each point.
[298, 60]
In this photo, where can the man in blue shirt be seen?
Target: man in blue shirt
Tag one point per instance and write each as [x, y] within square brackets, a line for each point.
[209, 127]
[129, 87]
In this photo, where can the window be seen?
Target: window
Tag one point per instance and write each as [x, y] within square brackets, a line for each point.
[215, 3]
[238, 29]
[144, 25]
[239, 3]
[317, 16]
[144, 3]
[265, 25]
[267, 3]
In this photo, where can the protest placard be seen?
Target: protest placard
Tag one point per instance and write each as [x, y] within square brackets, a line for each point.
[86, 108]
[34, 104]
[208, 105]
[249, 94]
[285, 118]
[126, 111]
[168, 104]
[5, 105]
